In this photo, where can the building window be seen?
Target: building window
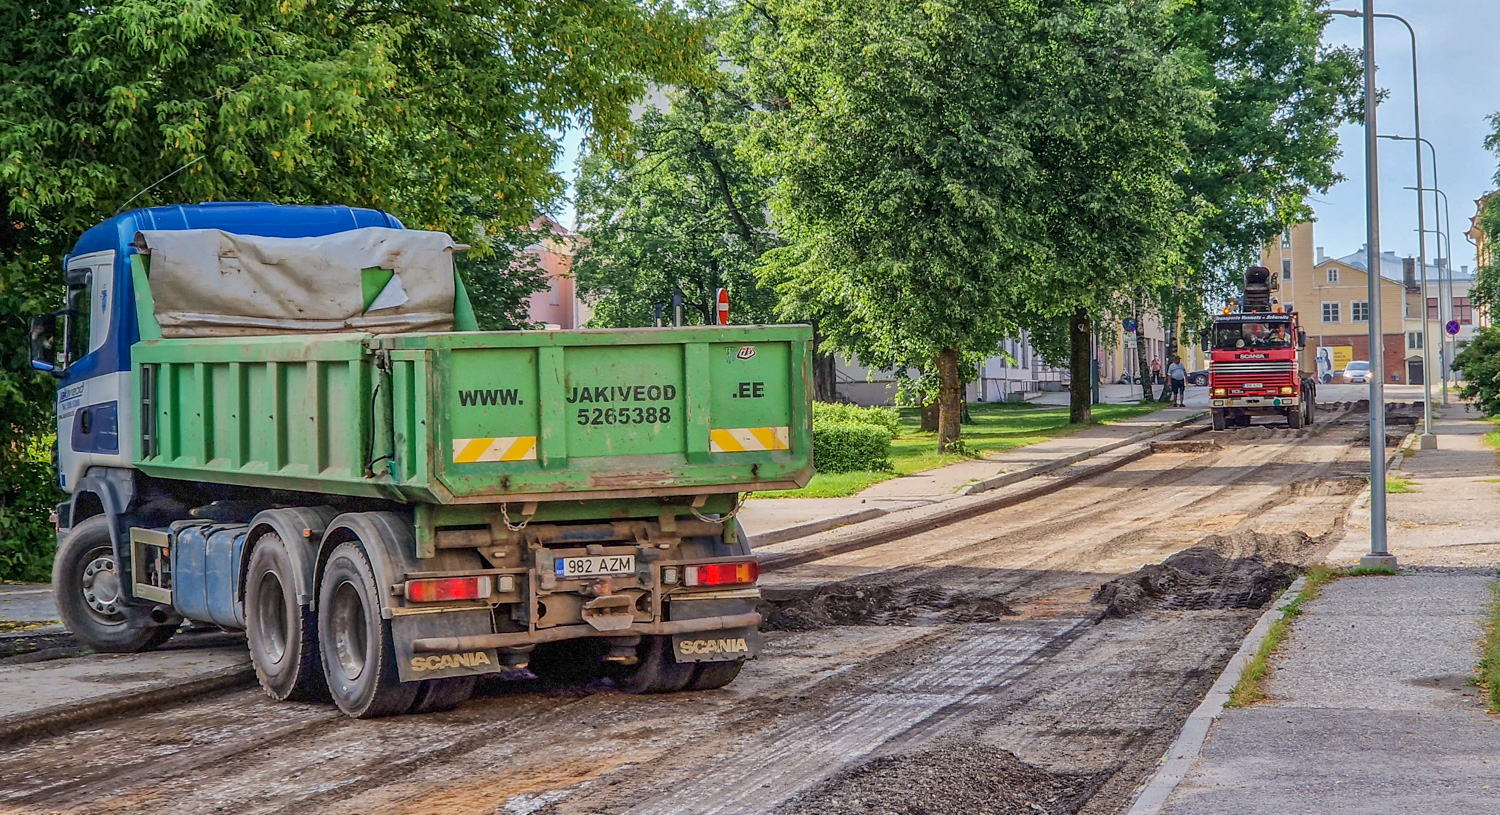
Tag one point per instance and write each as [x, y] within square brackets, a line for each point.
[554, 293]
[1286, 270]
[1463, 312]
[1432, 309]
[1333, 274]
[1286, 238]
[1359, 311]
[1414, 340]
[1330, 312]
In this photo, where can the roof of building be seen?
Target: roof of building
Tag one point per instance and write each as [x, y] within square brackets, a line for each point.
[1391, 266]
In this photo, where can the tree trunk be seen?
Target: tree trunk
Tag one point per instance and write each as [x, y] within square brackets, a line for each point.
[825, 371]
[929, 417]
[1080, 368]
[1143, 356]
[950, 400]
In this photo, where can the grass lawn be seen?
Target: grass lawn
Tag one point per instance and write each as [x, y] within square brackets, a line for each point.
[997, 426]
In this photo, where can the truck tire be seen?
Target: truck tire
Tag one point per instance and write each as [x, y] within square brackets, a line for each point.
[283, 635]
[1294, 418]
[714, 675]
[86, 583]
[657, 671]
[1218, 419]
[358, 656]
[438, 695]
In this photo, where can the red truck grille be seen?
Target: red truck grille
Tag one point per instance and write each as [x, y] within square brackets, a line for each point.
[1237, 375]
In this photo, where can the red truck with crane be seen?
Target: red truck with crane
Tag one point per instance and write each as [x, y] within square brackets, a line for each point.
[1259, 363]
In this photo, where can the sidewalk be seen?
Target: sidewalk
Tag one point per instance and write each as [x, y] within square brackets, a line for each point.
[770, 520]
[1371, 707]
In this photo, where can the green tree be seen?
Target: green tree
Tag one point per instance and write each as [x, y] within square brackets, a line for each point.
[1479, 364]
[443, 114]
[946, 168]
[675, 209]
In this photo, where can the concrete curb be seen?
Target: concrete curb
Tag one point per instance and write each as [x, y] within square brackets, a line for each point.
[1181, 756]
[22, 726]
[944, 515]
[811, 528]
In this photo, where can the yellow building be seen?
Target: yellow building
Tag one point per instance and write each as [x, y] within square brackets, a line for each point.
[1330, 296]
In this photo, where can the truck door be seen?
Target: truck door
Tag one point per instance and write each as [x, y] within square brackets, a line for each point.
[93, 399]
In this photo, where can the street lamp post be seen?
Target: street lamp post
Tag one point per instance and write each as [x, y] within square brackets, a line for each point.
[1379, 556]
[1445, 257]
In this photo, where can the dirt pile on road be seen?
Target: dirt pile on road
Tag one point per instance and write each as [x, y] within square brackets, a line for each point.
[1197, 579]
[881, 605]
[975, 779]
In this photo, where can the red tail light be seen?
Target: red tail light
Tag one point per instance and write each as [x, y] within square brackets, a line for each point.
[439, 589]
[721, 574]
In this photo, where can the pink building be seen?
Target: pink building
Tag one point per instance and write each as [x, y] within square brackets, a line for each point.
[556, 306]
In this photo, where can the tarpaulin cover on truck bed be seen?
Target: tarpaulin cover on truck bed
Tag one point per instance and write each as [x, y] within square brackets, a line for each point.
[211, 283]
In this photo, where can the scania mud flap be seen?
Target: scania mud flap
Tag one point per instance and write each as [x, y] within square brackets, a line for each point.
[411, 666]
[727, 645]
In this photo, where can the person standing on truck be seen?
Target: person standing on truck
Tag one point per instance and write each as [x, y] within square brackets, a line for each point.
[1177, 375]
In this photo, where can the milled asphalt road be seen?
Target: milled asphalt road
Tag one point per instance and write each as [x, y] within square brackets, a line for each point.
[26, 603]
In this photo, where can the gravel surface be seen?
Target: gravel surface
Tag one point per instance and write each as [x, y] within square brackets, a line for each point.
[1196, 579]
[976, 779]
[882, 605]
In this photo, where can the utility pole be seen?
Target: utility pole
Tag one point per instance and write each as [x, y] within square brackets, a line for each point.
[1379, 556]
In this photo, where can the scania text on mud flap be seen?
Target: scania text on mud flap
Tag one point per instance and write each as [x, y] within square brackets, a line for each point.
[282, 420]
[1259, 364]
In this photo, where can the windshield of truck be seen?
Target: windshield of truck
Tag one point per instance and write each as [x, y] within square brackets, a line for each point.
[1236, 336]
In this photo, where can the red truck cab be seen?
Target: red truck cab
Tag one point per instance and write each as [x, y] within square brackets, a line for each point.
[1255, 369]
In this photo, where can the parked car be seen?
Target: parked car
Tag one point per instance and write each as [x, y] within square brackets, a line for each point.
[1199, 378]
[1358, 371]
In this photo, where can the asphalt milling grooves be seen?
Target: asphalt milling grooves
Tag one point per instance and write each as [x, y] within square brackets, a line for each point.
[977, 641]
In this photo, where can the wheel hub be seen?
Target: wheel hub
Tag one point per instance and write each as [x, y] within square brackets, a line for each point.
[101, 585]
[349, 633]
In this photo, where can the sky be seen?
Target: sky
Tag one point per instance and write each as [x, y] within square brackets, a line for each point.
[1459, 85]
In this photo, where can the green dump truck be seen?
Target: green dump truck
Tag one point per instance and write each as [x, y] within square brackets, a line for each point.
[281, 420]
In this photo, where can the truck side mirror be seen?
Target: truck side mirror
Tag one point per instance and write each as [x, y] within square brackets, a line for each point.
[1301, 338]
[44, 346]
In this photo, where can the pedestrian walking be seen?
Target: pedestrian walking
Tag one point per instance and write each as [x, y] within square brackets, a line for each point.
[1156, 370]
[1177, 376]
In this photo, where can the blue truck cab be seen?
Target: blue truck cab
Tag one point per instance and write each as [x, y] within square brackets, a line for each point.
[95, 417]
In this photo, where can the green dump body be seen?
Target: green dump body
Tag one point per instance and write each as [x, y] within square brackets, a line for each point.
[482, 417]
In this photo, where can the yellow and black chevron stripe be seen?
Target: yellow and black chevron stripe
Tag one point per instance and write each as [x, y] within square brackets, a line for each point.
[749, 439]
[503, 448]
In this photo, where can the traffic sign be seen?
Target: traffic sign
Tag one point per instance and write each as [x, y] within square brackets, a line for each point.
[1452, 327]
[1130, 324]
[721, 308]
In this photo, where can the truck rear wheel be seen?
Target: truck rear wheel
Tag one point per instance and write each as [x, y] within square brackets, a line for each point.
[358, 656]
[283, 635]
[1218, 419]
[88, 586]
[714, 675]
[657, 671]
[438, 695]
